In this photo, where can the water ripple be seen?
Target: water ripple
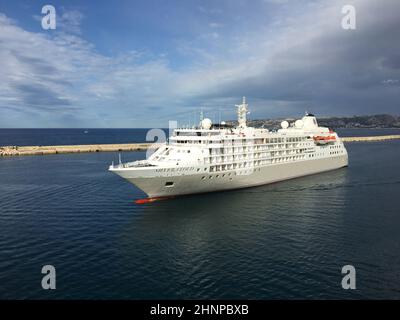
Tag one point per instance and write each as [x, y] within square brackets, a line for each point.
[286, 240]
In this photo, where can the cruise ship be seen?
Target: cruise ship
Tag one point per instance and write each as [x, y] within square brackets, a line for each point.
[209, 157]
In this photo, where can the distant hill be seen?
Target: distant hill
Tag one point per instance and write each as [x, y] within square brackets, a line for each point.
[373, 121]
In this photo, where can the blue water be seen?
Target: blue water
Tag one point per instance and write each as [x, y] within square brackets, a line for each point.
[362, 132]
[286, 240]
[52, 137]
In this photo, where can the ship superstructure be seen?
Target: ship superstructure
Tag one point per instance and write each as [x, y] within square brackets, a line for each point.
[220, 157]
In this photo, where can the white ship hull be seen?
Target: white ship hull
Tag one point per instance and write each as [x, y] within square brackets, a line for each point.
[155, 186]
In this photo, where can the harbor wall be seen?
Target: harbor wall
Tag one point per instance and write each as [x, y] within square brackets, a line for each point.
[44, 150]
[371, 138]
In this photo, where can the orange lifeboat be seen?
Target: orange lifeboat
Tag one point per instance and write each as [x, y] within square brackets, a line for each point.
[324, 139]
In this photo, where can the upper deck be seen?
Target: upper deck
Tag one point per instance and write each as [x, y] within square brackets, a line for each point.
[221, 148]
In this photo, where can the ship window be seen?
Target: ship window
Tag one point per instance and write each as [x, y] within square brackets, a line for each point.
[169, 184]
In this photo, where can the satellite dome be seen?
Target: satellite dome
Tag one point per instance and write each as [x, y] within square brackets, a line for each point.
[223, 123]
[284, 124]
[299, 124]
[206, 124]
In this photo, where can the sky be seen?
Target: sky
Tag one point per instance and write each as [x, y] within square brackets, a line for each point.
[128, 64]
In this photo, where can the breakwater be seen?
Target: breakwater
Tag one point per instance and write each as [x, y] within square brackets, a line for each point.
[44, 150]
[371, 138]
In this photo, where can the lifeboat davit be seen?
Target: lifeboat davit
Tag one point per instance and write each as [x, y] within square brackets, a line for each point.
[324, 139]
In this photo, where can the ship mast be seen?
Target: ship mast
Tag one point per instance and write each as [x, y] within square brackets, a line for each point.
[242, 112]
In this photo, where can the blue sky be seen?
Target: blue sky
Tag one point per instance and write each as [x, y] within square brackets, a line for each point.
[142, 63]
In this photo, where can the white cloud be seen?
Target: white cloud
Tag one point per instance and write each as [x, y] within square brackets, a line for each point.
[305, 59]
[276, 1]
[390, 81]
[70, 21]
[58, 75]
[215, 25]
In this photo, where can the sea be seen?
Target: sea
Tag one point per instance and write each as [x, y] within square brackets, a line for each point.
[288, 240]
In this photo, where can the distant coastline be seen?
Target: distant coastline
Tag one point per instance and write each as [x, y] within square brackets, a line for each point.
[378, 121]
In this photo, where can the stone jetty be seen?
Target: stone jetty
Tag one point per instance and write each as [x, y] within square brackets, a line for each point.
[44, 150]
[371, 139]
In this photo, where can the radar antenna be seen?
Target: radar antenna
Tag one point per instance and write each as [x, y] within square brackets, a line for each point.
[242, 112]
